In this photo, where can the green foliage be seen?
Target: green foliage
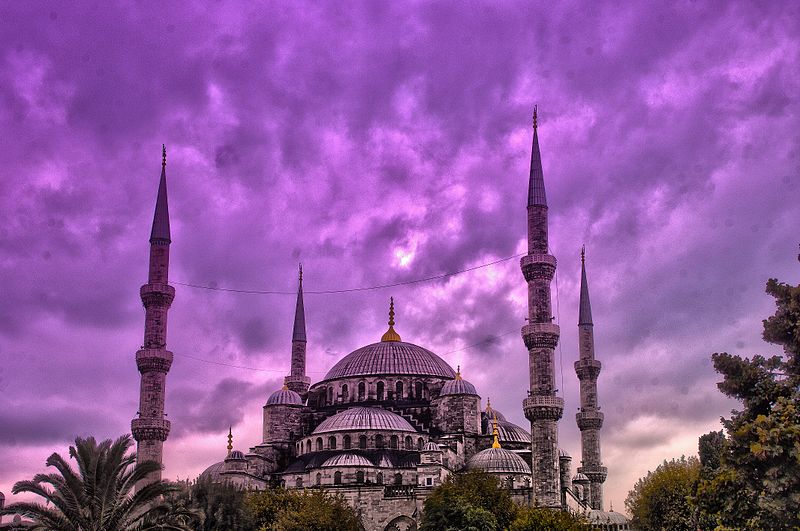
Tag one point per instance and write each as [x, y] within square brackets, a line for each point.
[100, 493]
[755, 482]
[309, 510]
[540, 519]
[221, 504]
[662, 499]
[473, 500]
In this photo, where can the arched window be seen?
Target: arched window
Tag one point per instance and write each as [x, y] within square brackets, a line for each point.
[420, 444]
[345, 394]
[418, 390]
[332, 443]
[379, 441]
[330, 395]
[319, 444]
[380, 390]
[362, 391]
[346, 442]
[362, 442]
[379, 478]
[337, 478]
[319, 478]
[393, 442]
[409, 443]
[298, 482]
[360, 476]
[321, 397]
[398, 479]
[398, 390]
[308, 445]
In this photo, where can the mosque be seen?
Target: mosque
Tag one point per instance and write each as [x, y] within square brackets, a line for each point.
[391, 420]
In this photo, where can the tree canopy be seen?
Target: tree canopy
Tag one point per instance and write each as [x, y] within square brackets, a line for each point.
[308, 510]
[100, 493]
[662, 499]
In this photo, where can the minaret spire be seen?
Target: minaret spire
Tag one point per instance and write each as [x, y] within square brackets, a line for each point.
[589, 418]
[542, 407]
[297, 381]
[230, 439]
[390, 334]
[153, 360]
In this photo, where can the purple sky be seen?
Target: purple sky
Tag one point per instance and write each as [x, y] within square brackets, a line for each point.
[376, 143]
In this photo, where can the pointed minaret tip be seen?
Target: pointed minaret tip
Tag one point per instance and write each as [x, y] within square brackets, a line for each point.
[536, 192]
[299, 329]
[160, 232]
[585, 307]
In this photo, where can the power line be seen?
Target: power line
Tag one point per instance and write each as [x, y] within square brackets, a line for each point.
[348, 290]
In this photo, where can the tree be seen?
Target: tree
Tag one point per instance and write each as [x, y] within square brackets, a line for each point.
[756, 483]
[541, 519]
[308, 510]
[473, 500]
[221, 504]
[662, 499]
[100, 494]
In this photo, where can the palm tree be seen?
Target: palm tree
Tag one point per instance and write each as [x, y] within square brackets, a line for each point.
[100, 495]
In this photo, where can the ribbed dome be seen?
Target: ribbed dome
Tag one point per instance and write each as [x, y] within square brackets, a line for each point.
[492, 412]
[213, 473]
[347, 459]
[580, 478]
[391, 357]
[498, 460]
[563, 453]
[235, 455]
[364, 418]
[611, 517]
[285, 397]
[510, 432]
[459, 386]
[431, 446]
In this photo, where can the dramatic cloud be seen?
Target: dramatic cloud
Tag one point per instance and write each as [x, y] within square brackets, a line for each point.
[378, 143]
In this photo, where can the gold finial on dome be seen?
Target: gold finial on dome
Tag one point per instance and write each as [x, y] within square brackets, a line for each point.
[458, 372]
[390, 334]
[230, 439]
[495, 433]
[285, 387]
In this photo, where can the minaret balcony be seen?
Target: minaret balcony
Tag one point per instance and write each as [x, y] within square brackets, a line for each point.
[541, 335]
[587, 369]
[145, 429]
[157, 294]
[538, 266]
[543, 407]
[298, 384]
[153, 360]
[595, 473]
[589, 420]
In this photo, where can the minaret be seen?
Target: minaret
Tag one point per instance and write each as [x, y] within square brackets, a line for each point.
[542, 407]
[151, 429]
[589, 419]
[297, 381]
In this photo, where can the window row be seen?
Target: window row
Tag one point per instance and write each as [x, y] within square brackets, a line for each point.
[361, 442]
[361, 477]
[381, 391]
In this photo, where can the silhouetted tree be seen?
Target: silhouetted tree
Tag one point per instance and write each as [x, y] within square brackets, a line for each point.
[100, 493]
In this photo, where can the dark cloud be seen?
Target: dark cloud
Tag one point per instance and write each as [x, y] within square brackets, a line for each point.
[380, 144]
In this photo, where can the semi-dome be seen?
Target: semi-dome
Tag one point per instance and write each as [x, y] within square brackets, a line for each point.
[459, 386]
[214, 472]
[285, 397]
[364, 418]
[347, 459]
[391, 357]
[498, 460]
[510, 432]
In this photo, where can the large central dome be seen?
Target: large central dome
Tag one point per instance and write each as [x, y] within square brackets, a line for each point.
[391, 357]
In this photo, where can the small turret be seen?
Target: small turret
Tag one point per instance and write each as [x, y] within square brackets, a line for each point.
[297, 380]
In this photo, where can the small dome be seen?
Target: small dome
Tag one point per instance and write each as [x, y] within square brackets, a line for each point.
[601, 517]
[498, 460]
[391, 357]
[285, 397]
[364, 418]
[235, 455]
[347, 459]
[580, 478]
[431, 446]
[459, 386]
[510, 432]
[563, 454]
[214, 472]
[491, 412]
